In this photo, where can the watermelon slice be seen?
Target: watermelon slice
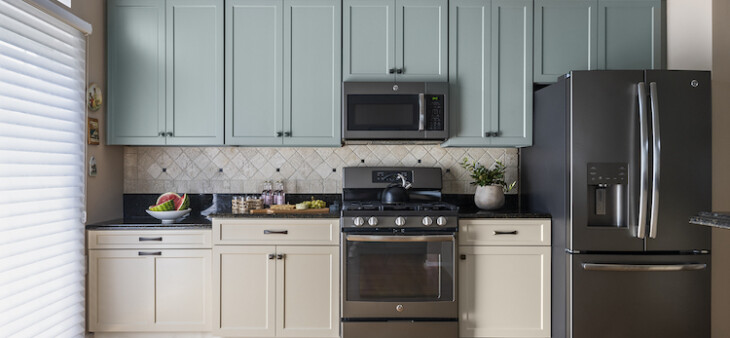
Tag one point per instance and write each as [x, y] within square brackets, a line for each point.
[166, 197]
[184, 202]
[164, 206]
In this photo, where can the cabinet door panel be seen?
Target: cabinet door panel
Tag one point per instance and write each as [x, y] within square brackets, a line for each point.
[244, 291]
[421, 40]
[195, 72]
[565, 37]
[629, 34]
[121, 291]
[312, 68]
[308, 291]
[505, 291]
[183, 290]
[253, 72]
[470, 71]
[368, 36]
[136, 66]
[512, 77]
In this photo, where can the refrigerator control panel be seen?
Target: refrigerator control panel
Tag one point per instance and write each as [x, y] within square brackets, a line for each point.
[607, 173]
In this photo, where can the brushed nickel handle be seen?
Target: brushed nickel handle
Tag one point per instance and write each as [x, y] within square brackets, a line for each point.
[144, 253]
[150, 239]
[642, 267]
[276, 232]
[656, 160]
[400, 239]
[513, 232]
[644, 166]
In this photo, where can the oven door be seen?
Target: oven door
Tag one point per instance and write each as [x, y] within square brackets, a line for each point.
[398, 276]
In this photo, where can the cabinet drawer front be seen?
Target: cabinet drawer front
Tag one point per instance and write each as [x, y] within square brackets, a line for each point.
[169, 239]
[504, 232]
[276, 231]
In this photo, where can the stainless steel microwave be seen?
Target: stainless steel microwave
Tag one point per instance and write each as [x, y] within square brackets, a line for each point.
[395, 111]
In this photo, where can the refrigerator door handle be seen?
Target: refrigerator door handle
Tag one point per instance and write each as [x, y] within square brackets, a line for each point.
[644, 167]
[656, 160]
[642, 267]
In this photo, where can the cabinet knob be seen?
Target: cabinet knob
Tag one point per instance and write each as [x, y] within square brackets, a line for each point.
[287, 134]
[462, 257]
[391, 71]
[279, 134]
[162, 133]
[271, 256]
[169, 133]
[280, 256]
[399, 71]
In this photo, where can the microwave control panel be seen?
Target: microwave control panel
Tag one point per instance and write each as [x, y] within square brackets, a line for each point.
[434, 112]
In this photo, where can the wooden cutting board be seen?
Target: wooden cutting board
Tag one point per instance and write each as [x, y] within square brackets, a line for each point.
[291, 211]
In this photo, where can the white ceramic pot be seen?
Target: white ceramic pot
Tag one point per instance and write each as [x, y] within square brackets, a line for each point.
[489, 197]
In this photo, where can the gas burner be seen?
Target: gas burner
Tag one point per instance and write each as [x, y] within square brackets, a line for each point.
[436, 206]
[399, 206]
[362, 206]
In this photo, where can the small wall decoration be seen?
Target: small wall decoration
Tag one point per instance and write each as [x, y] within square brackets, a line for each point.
[93, 97]
[93, 135]
[92, 166]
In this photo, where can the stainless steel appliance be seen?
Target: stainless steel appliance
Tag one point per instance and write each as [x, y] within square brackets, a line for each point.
[395, 111]
[621, 160]
[398, 258]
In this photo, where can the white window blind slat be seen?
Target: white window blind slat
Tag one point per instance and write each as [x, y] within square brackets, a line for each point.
[42, 169]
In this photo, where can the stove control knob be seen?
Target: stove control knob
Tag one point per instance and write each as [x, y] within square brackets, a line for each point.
[400, 221]
[427, 221]
[358, 221]
[441, 221]
[373, 221]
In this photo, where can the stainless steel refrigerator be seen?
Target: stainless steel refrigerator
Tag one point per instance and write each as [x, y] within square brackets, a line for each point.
[621, 160]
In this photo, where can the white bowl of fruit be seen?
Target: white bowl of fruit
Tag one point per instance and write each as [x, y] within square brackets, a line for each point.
[170, 207]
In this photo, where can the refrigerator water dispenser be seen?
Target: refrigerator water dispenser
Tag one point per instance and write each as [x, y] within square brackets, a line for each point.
[607, 194]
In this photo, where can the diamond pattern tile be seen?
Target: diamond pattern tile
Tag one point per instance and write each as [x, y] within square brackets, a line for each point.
[303, 170]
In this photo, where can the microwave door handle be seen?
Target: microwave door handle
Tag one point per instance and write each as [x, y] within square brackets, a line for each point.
[421, 112]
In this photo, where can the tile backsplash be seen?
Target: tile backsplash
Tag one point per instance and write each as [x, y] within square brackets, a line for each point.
[303, 170]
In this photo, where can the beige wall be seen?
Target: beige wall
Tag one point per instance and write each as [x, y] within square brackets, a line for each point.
[720, 165]
[689, 34]
[104, 192]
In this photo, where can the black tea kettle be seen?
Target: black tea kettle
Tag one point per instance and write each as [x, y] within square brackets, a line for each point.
[396, 192]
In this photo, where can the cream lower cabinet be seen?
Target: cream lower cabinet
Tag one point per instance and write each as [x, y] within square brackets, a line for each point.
[149, 288]
[504, 278]
[276, 278]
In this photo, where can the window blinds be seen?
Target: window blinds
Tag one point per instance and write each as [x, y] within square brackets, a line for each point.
[42, 147]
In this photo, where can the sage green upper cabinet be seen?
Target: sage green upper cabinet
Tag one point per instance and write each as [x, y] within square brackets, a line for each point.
[312, 72]
[194, 72]
[385, 40]
[565, 37]
[165, 72]
[283, 75]
[490, 78]
[136, 72]
[629, 34]
[596, 34]
[254, 72]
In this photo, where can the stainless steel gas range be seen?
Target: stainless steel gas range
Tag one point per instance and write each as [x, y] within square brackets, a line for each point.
[398, 254]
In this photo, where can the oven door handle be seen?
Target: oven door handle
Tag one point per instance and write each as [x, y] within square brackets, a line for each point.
[400, 239]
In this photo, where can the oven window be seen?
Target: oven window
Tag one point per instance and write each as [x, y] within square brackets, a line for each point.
[382, 112]
[409, 271]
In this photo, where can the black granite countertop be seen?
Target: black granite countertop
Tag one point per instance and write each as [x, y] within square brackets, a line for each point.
[713, 219]
[335, 214]
[206, 206]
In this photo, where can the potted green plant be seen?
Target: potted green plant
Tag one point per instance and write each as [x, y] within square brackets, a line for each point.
[490, 184]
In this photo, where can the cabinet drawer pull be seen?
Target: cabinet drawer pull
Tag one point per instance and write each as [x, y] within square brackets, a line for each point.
[150, 239]
[513, 232]
[462, 257]
[156, 253]
[276, 232]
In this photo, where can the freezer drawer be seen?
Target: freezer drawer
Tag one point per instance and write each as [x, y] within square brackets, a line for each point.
[631, 296]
